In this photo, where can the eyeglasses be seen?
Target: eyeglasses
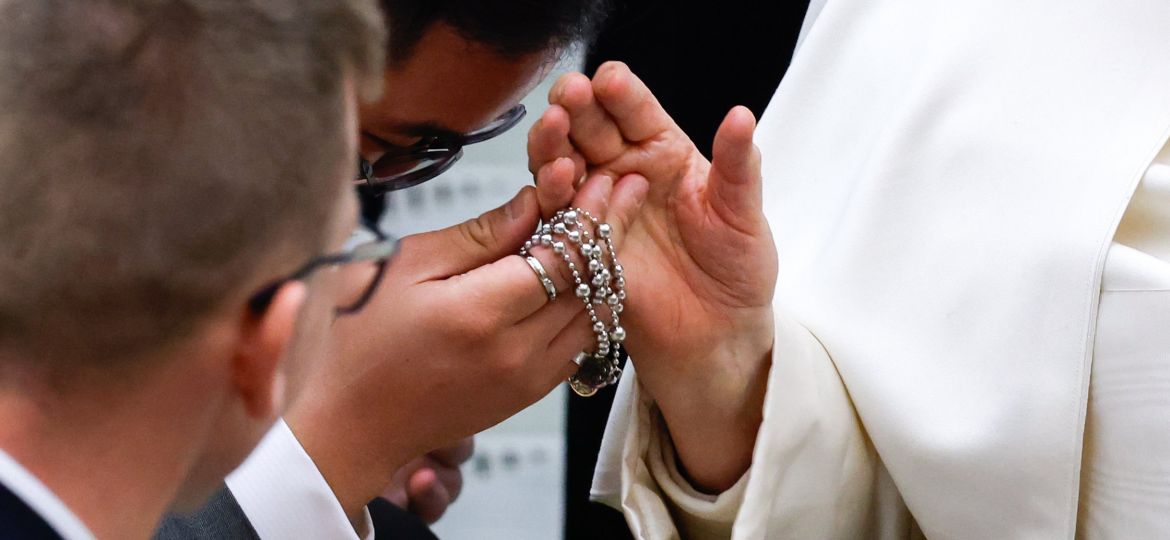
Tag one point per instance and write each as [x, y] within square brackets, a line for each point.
[401, 168]
[368, 246]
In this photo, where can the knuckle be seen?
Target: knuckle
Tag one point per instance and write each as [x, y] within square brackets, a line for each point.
[473, 328]
[409, 245]
[478, 232]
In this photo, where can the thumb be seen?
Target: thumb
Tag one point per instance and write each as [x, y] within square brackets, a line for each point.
[736, 184]
[469, 245]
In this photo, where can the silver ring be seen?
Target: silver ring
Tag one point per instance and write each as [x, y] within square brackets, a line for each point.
[550, 288]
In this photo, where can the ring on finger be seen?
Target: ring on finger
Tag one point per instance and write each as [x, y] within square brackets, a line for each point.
[550, 288]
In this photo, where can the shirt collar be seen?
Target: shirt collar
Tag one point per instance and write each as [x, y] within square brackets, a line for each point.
[41, 499]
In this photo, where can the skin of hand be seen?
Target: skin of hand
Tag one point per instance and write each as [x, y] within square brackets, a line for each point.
[458, 337]
[429, 484]
[700, 260]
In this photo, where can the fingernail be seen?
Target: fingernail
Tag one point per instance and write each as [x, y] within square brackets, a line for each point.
[518, 206]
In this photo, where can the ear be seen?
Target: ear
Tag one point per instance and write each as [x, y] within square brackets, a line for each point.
[265, 337]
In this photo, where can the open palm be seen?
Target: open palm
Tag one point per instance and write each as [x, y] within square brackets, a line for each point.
[700, 259]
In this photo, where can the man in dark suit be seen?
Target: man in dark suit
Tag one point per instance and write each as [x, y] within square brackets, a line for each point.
[160, 242]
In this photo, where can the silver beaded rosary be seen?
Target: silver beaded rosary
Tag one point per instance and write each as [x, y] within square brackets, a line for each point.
[602, 285]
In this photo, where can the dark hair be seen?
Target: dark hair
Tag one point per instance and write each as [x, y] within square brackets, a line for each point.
[511, 28]
[158, 157]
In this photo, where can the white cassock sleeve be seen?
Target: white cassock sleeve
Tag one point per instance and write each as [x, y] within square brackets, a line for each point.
[814, 472]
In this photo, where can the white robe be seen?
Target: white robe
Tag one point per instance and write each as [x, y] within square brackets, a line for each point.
[944, 180]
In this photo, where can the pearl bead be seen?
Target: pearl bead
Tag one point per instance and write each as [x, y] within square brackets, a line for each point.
[558, 247]
[587, 250]
[599, 327]
[613, 300]
[583, 291]
[604, 230]
[571, 215]
[546, 240]
[594, 265]
[621, 282]
[621, 295]
[598, 280]
[619, 270]
[619, 308]
[575, 236]
[559, 228]
[619, 334]
[545, 229]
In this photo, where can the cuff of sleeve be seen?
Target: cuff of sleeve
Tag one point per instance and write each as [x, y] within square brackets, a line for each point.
[283, 494]
[700, 514]
[637, 474]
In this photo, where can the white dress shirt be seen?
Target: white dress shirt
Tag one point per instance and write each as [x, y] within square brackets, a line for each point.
[41, 500]
[968, 345]
[284, 495]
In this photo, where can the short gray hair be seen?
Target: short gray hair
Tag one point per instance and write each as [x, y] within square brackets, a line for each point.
[156, 154]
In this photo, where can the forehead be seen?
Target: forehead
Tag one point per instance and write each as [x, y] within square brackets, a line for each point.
[453, 83]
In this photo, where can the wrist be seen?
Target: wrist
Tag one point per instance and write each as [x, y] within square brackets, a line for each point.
[715, 396]
[356, 468]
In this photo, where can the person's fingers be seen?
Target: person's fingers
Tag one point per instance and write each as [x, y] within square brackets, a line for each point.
[629, 195]
[458, 249]
[594, 197]
[591, 129]
[577, 337]
[398, 497]
[630, 103]
[736, 184]
[429, 498]
[549, 139]
[456, 455]
[452, 480]
[509, 289]
[555, 186]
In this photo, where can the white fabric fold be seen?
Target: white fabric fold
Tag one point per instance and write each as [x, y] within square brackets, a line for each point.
[283, 494]
[944, 181]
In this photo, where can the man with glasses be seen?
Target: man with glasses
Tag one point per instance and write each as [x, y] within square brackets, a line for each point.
[459, 335]
[147, 337]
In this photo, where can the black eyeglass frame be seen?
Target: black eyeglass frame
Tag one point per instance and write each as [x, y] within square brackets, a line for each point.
[441, 152]
[379, 252]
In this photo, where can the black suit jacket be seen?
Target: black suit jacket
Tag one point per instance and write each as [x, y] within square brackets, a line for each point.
[20, 522]
[223, 519]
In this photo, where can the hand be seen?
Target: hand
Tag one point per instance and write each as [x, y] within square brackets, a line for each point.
[429, 484]
[700, 259]
[458, 337]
